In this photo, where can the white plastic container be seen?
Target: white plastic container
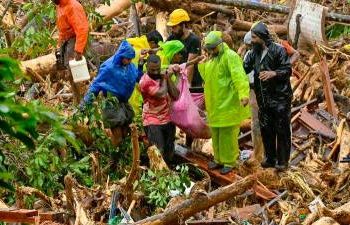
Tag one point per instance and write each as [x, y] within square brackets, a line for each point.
[79, 70]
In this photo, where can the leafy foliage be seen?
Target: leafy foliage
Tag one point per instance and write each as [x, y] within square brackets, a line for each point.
[31, 137]
[36, 38]
[157, 185]
[91, 118]
[337, 30]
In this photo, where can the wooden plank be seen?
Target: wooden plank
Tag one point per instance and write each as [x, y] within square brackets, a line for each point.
[314, 125]
[202, 162]
[208, 222]
[52, 216]
[344, 150]
[18, 215]
[327, 87]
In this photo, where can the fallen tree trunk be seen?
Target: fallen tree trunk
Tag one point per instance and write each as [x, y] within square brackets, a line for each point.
[246, 26]
[198, 203]
[41, 65]
[115, 8]
[331, 16]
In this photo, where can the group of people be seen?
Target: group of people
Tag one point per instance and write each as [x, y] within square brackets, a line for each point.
[217, 68]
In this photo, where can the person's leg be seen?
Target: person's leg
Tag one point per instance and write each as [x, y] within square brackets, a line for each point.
[155, 136]
[268, 135]
[189, 141]
[215, 142]
[169, 131]
[283, 129]
[229, 150]
[69, 55]
[117, 135]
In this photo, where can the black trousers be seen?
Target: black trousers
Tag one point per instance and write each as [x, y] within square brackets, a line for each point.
[162, 136]
[275, 127]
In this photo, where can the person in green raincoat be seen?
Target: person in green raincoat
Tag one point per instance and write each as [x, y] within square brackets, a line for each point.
[171, 53]
[226, 91]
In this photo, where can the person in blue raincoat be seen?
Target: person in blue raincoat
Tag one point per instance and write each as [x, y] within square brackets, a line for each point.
[117, 77]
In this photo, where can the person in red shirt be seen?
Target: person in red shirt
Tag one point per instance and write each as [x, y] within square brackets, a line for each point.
[73, 28]
[158, 90]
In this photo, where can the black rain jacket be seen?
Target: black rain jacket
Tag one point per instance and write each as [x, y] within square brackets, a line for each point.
[277, 90]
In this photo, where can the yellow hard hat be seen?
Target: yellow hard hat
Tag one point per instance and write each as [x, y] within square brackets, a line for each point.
[178, 16]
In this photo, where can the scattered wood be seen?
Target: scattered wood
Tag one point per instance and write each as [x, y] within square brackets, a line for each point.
[161, 27]
[340, 214]
[326, 84]
[156, 160]
[344, 149]
[134, 173]
[21, 192]
[338, 139]
[42, 65]
[256, 135]
[186, 209]
[277, 8]
[326, 221]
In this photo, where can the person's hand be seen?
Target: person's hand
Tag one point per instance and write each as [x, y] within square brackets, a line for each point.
[202, 59]
[78, 56]
[244, 101]
[174, 68]
[144, 52]
[266, 75]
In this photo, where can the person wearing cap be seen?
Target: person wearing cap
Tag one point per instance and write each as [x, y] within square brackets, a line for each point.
[226, 91]
[272, 71]
[178, 22]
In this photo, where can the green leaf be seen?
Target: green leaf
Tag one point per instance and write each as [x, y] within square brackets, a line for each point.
[4, 109]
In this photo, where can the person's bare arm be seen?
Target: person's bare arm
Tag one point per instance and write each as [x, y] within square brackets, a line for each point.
[163, 89]
[195, 60]
[172, 89]
[190, 68]
[295, 57]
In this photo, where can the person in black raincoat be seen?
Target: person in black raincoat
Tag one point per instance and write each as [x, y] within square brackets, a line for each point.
[272, 70]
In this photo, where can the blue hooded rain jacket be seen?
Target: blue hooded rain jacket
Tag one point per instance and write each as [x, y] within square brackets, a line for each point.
[114, 77]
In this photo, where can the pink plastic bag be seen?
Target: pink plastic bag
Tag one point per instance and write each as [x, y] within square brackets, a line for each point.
[185, 113]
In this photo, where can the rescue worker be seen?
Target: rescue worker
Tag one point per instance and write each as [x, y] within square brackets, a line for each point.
[158, 90]
[149, 41]
[117, 76]
[272, 70]
[170, 52]
[293, 54]
[73, 28]
[178, 22]
[226, 91]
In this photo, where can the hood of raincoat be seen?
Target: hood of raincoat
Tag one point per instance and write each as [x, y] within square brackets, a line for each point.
[261, 30]
[213, 39]
[115, 78]
[125, 50]
[169, 49]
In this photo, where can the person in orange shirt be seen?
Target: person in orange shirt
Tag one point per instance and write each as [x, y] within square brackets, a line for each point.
[73, 28]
